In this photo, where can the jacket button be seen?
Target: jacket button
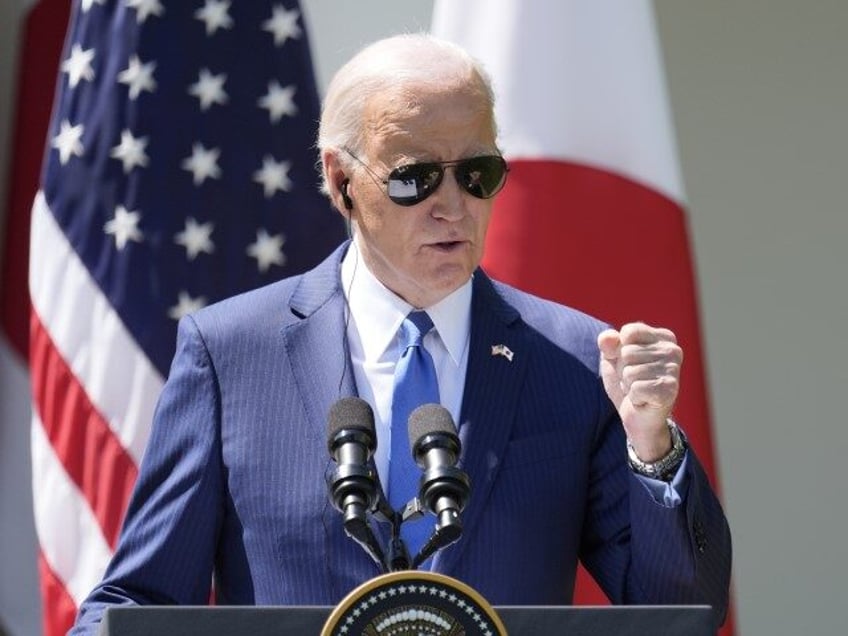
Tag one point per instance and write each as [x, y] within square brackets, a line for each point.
[700, 535]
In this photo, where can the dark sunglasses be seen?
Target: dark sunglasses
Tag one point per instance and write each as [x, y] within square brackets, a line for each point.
[481, 177]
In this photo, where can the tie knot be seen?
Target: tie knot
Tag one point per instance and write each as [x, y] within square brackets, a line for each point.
[415, 326]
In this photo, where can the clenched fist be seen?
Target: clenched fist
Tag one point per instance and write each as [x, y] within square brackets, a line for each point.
[640, 367]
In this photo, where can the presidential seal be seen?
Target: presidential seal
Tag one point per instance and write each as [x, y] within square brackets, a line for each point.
[410, 602]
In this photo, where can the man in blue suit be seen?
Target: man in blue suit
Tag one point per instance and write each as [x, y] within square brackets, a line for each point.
[564, 424]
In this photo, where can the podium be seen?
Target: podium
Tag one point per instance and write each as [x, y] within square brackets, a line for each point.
[676, 620]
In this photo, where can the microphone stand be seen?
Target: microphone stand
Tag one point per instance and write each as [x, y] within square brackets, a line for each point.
[397, 554]
[351, 484]
[448, 530]
[396, 557]
[359, 530]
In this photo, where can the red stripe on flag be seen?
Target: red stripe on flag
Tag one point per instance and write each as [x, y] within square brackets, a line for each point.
[580, 236]
[91, 454]
[38, 66]
[60, 609]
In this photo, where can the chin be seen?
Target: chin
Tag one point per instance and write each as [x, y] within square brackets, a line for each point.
[448, 279]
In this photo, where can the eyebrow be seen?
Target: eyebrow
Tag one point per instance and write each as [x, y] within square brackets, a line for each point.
[401, 159]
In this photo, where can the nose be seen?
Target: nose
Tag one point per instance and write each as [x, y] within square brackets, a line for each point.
[449, 200]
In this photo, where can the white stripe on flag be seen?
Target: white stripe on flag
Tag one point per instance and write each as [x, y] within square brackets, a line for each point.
[117, 376]
[70, 536]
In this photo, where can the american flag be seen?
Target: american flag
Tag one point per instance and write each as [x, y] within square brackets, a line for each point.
[179, 169]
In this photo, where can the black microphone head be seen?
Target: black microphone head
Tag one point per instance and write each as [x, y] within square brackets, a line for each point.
[430, 419]
[351, 414]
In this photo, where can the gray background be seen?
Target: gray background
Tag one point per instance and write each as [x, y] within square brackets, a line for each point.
[759, 95]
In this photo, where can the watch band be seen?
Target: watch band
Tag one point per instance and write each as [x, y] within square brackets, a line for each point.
[665, 467]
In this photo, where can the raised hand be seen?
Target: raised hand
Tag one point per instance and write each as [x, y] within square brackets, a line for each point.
[640, 367]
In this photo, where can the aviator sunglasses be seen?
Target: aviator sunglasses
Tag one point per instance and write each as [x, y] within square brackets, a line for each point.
[481, 177]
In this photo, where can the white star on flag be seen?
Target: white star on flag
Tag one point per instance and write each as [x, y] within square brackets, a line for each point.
[267, 250]
[209, 89]
[124, 227]
[78, 65]
[196, 238]
[186, 305]
[273, 176]
[67, 142]
[203, 163]
[283, 24]
[214, 14]
[144, 8]
[130, 151]
[87, 4]
[138, 76]
[279, 101]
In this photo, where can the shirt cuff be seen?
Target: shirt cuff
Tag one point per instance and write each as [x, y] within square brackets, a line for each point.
[669, 494]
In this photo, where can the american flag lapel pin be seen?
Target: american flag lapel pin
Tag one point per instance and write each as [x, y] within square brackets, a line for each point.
[502, 350]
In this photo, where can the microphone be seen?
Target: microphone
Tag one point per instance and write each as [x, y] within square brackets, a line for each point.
[444, 489]
[351, 440]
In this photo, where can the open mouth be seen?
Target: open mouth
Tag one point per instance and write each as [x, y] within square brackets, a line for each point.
[447, 246]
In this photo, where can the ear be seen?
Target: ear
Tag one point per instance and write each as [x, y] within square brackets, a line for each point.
[336, 178]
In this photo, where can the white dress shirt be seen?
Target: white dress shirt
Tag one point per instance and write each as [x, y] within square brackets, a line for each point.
[375, 315]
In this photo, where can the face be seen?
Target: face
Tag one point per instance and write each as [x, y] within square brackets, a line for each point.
[425, 251]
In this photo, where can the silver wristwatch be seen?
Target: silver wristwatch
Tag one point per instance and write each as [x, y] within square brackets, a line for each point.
[665, 467]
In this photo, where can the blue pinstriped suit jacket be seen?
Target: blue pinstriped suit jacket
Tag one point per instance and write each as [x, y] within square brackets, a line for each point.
[234, 474]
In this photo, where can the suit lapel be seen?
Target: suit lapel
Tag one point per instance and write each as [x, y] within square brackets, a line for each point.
[317, 344]
[492, 387]
[317, 348]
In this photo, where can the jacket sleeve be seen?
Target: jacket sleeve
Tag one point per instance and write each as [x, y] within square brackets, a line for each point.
[166, 550]
[643, 552]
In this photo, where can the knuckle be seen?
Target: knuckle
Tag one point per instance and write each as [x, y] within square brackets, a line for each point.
[667, 334]
[667, 386]
[631, 331]
[630, 354]
[672, 369]
[667, 382]
[670, 350]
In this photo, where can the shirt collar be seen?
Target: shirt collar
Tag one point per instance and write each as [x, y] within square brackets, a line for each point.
[378, 312]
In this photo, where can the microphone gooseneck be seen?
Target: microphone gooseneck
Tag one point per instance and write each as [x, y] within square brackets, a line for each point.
[444, 489]
[351, 440]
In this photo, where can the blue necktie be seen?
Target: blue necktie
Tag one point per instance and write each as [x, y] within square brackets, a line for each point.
[415, 384]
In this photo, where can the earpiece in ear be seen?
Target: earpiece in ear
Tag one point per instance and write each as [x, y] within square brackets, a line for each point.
[348, 202]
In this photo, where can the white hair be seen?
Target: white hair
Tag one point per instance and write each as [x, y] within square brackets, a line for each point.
[408, 59]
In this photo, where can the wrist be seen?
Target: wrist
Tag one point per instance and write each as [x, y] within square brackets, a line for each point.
[651, 445]
[665, 467]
